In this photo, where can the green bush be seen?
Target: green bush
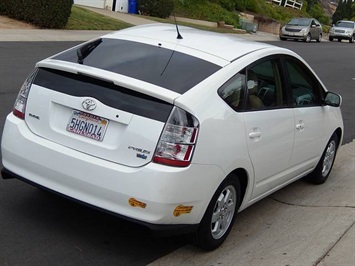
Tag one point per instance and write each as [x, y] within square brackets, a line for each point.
[43, 13]
[241, 5]
[205, 10]
[156, 8]
[226, 4]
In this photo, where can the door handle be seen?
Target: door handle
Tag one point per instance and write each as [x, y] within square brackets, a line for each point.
[300, 126]
[255, 134]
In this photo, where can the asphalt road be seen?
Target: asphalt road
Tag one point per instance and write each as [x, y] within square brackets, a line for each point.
[39, 228]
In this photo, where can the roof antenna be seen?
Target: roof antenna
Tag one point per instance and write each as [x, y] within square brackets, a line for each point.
[177, 29]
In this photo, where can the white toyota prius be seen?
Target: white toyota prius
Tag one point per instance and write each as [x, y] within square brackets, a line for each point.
[176, 131]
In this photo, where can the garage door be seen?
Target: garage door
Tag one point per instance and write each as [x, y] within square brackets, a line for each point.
[91, 3]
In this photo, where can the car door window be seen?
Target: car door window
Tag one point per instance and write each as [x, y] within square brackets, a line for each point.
[305, 88]
[265, 86]
[258, 87]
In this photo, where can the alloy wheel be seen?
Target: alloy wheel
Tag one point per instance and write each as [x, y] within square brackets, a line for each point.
[329, 158]
[223, 212]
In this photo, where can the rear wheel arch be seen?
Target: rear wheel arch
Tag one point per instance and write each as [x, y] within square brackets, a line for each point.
[213, 231]
[242, 175]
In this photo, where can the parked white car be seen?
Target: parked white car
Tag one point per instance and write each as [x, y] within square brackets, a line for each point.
[176, 134]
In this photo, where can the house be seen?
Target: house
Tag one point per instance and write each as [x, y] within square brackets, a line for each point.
[114, 5]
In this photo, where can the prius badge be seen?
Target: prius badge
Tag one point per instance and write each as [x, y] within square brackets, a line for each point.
[89, 104]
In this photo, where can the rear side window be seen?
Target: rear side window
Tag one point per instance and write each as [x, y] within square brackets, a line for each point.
[233, 91]
[169, 69]
[108, 93]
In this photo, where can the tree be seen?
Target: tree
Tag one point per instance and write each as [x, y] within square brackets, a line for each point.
[311, 3]
[348, 9]
[340, 11]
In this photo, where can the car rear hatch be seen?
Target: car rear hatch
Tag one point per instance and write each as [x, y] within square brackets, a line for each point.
[95, 117]
[114, 110]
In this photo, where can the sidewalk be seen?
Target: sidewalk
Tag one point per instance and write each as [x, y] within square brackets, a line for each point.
[299, 225]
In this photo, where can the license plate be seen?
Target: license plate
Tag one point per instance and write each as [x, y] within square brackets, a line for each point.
[87, 125]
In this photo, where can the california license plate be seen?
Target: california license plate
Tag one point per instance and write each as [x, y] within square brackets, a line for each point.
[87, 125]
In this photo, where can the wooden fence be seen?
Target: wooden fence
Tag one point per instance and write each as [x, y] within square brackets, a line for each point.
[290, 3]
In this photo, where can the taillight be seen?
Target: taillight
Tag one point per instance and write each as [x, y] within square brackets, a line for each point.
[21, 100]
[177, 142]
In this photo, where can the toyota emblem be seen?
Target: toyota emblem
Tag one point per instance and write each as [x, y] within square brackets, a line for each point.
[89, 104]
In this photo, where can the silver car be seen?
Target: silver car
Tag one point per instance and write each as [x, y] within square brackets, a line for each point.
[305, 29]
[343, 30]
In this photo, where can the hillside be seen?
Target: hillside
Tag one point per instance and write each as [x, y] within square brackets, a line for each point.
[328, 7]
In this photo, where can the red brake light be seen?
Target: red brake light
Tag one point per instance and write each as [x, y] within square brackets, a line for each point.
[21, 100]
[177, 142]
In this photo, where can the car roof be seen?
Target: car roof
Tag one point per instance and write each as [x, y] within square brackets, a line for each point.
[227, 47]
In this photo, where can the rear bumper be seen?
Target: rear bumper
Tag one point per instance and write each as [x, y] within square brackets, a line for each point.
[158, 190]
[158, 230]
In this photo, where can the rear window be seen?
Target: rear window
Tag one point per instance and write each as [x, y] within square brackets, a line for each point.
[108, 93]
[169, 69]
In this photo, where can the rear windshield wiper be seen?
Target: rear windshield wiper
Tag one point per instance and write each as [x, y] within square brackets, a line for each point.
[86, 49]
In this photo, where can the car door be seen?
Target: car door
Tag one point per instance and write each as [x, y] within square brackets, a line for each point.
[269, 125]
[310, 118]
[315, 29]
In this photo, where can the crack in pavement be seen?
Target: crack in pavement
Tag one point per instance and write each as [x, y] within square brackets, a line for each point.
[310, 206]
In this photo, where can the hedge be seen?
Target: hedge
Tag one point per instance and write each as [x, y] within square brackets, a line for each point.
[156, 8]
[52, 14]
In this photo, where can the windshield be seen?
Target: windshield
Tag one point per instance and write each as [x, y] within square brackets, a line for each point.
[299, 22]
[345, 24]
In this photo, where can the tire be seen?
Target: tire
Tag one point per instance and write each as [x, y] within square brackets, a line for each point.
[283, 39]
[351, 40]
[220, 215]
[331, 39]
[319, 37]
[308, 38]
[339, 40]
[324, 167]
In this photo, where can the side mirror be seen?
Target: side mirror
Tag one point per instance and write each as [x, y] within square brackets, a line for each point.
[332, 99]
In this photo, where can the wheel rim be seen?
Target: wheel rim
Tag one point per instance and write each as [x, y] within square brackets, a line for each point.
[308, 38]
[223, 212]
[329, 158]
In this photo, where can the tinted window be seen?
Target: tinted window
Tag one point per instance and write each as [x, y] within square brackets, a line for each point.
[107, 93]
[163, 67]
[305, 88]
[265, 86]
[257, 87]
[232, 92]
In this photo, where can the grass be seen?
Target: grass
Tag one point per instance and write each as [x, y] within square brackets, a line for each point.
[83, 19]
[196, 26]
